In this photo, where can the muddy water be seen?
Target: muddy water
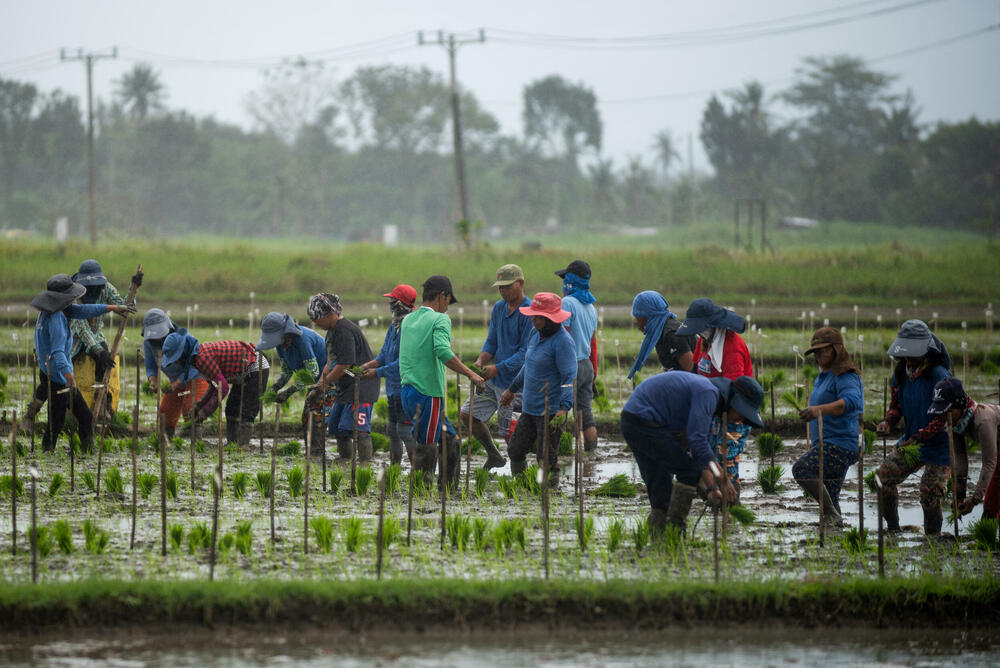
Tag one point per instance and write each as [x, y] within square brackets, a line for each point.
[622, 647]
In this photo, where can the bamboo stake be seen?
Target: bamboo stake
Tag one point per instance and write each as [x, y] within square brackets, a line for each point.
[772, 425]
[218, 491]
[822, 482]
[717, 472]
[954, 481]
[13, 485]
[578, 478]
[37, 373]
[354, 438]
[724, 450]
[409, 500]
[381, 521]
[33, 474]
[274, 451]
[545, 482]
[881, 531]
[468, 445]
[163, 461]
[443, 477]
[305, 494]
[194, 430]
[885, 407]
[618, 362]
[135, 445]
[861, 473]
[260, 413]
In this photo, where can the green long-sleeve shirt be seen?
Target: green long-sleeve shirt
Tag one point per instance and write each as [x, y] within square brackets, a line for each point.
[424, 349]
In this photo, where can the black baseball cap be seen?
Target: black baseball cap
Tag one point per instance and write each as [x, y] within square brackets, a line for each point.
[578, 267]
[948, 394]
[438, 284]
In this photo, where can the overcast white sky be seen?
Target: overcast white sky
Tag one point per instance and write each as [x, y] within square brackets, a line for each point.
[641, 91]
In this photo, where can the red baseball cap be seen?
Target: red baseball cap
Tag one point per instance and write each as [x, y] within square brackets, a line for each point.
[548, 306]
[404, 293]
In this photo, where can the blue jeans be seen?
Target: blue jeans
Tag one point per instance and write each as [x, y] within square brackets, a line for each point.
[661, 454]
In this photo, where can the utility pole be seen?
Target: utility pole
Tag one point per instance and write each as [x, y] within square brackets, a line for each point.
[88, 60]
[451, 42]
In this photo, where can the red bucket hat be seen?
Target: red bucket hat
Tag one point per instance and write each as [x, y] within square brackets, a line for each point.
[404, 293]
[548, 306]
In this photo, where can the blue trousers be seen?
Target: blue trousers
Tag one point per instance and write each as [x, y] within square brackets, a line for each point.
[661, 454]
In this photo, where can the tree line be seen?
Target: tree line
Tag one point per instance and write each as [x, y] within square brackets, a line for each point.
[340, 159]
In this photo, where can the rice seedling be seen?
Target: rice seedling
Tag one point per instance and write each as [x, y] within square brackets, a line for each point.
[640, 534]
[480, 533]
[363, 479]
[63, 535]
[856, 542]
[296, 478]
[336, 479]
[153, 442]
[528, 480]
[171, 484]
[870, 482]
[56, 484]
[114, 483]
[199, 537]
[175, 532]
[508, 486]
[984, 533]
[869, 440]
[353, 533]
[616, 529]
[146, 483]
[240, 480]
[911, 453]
[290, 449]
[769, 444]
[381, 409]
[507, 533]
[262, 481]
[380, 442]
[244, 537]
[671, 537]
[7, 483]
[88, 481]
[565, 444]
[322, 529]
[225, 543]
[809, 374]
[392, 529]
[269, 397]
[588, 528]
[618, 486]
[769, 479]
[793, 399]
[43, 540]
[775, 378]
[393, 479]
[743, 515]
[95, 539]
[482, 478]
[459, 529]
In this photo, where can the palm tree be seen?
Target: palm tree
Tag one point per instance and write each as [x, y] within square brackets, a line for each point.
[666, 151]
[140, 91]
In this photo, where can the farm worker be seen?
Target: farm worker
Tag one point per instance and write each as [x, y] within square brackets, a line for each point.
[550, 364]
[346, 347]
[652, 316]
[505, 345]
[582, 327]
[980, 422]
[922, 361]
[298, 348]
[156, 327]
[837, 395]
[402, 300]
[53, 342]
[720, 352]
[424, 353]
[666, 423]
[228, 366]
[90, 354]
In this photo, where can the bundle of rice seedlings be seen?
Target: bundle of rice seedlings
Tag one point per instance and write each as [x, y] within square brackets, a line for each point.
[769, 479]
[480, 533]
[336, 479]
[244, 537]
[792, 399]
[482, 478]
[88, 481]
[240, 480]
[290, 449]
[856, 542]
[743, 515]
[393, 478]
[171, 484]
[616, 529]
[477, 447]
[296, 478]
[263, 483]
[392, 530]
[566, 444]
[869, 440]
[984, 533]
[43, 540]
[618, 486]
[269, 397]
[225, 544]
[114, 483]
[380, 442]
[508, 486]
[459, 528]
[363, 478]
[10, 485]
[870, 482]
[588, 528]
[912, 454]
[381, 409]
[528, 480]
[353, 533]
[323, 531]
[146, 482]
[63, 535]
[769, 444]
[640, 533]
[96, 540]
[175, 532]
[199, 537]
[56, 485]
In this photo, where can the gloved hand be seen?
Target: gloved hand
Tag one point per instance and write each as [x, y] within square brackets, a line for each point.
[285, 394]
[137, 279]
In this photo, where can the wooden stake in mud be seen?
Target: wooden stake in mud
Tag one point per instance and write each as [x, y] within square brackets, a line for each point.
[772, 425]
[135, 445]
[822, 480]
[33, 474]
[274, 452]
[260, 404]
[354, 438]
[468, 445]
[193, 428]
[443, 477]
[724, 451]
[861, 473]
[102, 388]
[885, 407]
[218, 491]
[954, 481]
[13, 483]
[409, 499]
[618, 362]
[545, 483]
[881, 530]
[578, 479]
[381, 522]
[163, 461]
[717, 472]
[305, 493]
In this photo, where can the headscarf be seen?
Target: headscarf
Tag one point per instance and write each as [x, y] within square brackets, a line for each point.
[963, 422]
[651, 305]
[322, 305]
[399, 310]
[578, 288]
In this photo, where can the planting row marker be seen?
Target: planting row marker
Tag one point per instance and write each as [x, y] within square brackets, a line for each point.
[881, 535]
[13, 482]
[274, 450]
[468, 445]
[822, 482]
[33, 473]
[381, 521]
[305, 496]
[217, 490]
[545, 482]
[954, 480]
[135, 443]
[354, 438]
[409, 500]
[194, 430]
[861, 473]
[260, 404]
[163, 459]
[443, 477]
[578, 451]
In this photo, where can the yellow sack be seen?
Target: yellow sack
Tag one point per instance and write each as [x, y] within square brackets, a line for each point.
[83, 370]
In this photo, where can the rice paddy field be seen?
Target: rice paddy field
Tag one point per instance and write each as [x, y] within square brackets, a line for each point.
[494, 565]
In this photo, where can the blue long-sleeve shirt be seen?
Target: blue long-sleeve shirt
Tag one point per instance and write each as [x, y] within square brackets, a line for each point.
[914, 399]
[388, 362]
[838, 430]
[682, 402]
[549, 360]
[507, 340]
[151, 357]
[309, 346]
[54, 340]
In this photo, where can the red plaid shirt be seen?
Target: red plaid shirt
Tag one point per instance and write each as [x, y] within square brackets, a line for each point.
[222, 358]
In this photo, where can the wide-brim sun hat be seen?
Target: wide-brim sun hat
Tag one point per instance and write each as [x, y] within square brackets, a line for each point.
[173, 347]
[89, 274]
[548, 306]
[273, 328]
[156, 324]
[703, 313]
[743, 394]
[824, 338]
[913, 339]
[60, 291]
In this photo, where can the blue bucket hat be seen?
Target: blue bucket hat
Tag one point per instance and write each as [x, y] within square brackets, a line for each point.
[156, 324]
[702, 314]
[744, 394]
[273, 328]
[178, 347]
[90, 274]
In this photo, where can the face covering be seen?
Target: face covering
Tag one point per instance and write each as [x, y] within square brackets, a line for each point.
[399, 311]
[549, 328]
[963, 422]
[707, 335]
[913, 371]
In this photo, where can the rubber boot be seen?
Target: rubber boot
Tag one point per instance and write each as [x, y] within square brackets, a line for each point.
[169, 432]
[364, 446]
[244, 434]
[517, 466]
[426, 455]
[680, 504]
[232, 427]
[27, 423]
[453, 445]
[933, 518]
[403, 431]
[318, 444]
[890, 512]
[657, 521]
[830, 513]
[86, 444]
[345, 447]
[589, 445]
[395, 445]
